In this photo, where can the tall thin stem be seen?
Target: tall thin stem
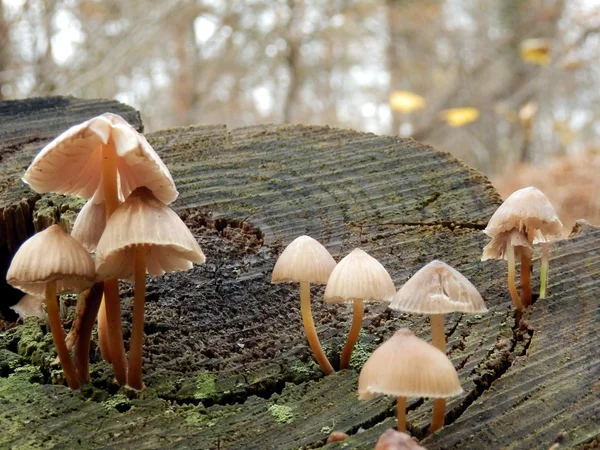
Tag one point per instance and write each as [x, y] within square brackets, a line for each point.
[357, 316]
[510, 254]
[438, 339]
[544, 269]
[58, 335]
[401, 414]
[309, 329]
[103, 331]
[111, 287]
[526, 273]
[134, 370]
[81, 353]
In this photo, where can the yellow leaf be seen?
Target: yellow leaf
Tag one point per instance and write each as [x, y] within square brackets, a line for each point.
[536, 51]
[458, 117]
[526, 113]
[405, 101]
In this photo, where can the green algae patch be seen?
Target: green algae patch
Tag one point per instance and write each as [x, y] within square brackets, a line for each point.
[362, 350]
[119, 402]
[281, 413]
[205, 386]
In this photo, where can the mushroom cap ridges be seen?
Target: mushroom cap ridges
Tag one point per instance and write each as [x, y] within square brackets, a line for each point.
[144, 220]
[527, 209]
[407, 366]
[71, 163]
[497, 248]
[304, 259]
[359, 276]
[51, 255]
[437, 288]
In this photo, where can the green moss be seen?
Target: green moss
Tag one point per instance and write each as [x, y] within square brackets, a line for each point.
[119, 402]
[362, 351]
[304, 370]
[205, 386]
[281, 413]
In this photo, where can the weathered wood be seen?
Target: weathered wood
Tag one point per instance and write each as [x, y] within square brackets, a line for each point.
[226, 363]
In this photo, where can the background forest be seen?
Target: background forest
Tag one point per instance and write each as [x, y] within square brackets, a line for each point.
[511, 86]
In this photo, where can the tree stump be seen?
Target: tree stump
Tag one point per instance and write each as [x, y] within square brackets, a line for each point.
[225, 358]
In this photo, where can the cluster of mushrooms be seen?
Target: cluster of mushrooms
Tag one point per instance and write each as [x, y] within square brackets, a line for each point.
[405, 365]
[125, 223]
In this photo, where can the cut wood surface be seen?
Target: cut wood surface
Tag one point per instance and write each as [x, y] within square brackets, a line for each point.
[225, 359]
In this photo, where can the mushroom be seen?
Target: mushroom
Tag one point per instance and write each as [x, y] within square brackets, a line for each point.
[144, 235]
[437, 289]
[65, 267]
[104, 158]
[361, 278]
[508, 245]
[406, 366]
[306, 261]
[530, 212]
[30, 306]
[396, 440]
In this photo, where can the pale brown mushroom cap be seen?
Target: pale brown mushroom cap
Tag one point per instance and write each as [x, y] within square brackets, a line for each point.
[406, 366]
[497, 248]
[89, 224]
[304, 259]
[71, 163]
[438, 288]
[359, 276]
[30, 306]
[144, 220]
[526, 209]
[51, 255]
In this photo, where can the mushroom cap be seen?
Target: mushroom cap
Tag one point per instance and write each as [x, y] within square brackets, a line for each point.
[51, 255]
[30, 306]
[406, 366]
[359, 276]
[437, 288]
[71, 163]
[90, 223]
[496, 249]
[304, 259]
[144, 220]
[527, 209]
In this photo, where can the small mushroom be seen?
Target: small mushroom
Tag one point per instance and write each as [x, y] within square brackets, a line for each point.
[359, 278]
[530, 212]
[437, 289]
[396, 440]
[144, 235]
[406, 366]
[509, 245]
[30, 306]
[306, 261]
[65, 267]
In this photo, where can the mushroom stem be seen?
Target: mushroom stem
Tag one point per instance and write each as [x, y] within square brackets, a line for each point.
[134, 370]
[510, 254]
[401, 413]
[103, 332]
[309, 329]
[357, 316]
[113, 328]
[526, 274]
[438, 339]
[81, 353]
[544, 270]
[58, 336]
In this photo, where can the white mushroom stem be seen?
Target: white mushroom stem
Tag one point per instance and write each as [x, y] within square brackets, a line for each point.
[510, 255]
[401, 413]
[544, 270]
[357, 316]
[58, 336]
[309, 329]
[112, 326]
[438, 339]
[526, 273]
[134, 370]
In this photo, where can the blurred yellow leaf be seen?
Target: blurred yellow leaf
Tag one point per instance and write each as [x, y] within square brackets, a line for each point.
[526, 113]
[536, 51]
[405, 101]
[458, 117]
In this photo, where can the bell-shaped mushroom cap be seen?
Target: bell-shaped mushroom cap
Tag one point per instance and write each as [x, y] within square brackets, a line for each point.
[437, 288]
[526, 209]
[30, 306]
[143, 220]
[305, 259]
[496, 249]
[51, 255]
[406, 366]
[359, 276]
[89, 224]
[71, 163]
